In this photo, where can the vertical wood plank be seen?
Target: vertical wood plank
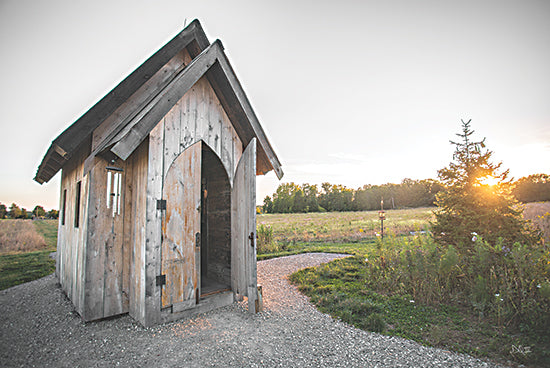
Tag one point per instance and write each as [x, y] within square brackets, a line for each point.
[203, 126]
[214, 119]
[153, 225]
[98, 241]
[180, 225]
[115, 268]
[129, 218]
[243, 224]
[172, 127]
[138, 221]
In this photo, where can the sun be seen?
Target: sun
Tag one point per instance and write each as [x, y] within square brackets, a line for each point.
[488, 180]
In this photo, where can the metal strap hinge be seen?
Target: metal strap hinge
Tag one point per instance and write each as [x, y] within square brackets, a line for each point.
[161, 280]
[161, 204]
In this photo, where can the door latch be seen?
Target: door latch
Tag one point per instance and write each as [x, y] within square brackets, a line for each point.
[198, 240]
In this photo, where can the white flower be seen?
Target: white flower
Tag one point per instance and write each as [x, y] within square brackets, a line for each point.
[366, 260]
[497, 295]
[538, 286]
[474, 238]
[474, 233]
[411, 301]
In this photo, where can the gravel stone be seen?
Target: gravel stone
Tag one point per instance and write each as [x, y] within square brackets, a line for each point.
[39, 328]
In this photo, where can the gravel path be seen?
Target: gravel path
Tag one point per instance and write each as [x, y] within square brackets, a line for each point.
[38, 327]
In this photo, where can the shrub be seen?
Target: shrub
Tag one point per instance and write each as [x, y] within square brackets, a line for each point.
[266, 244]
[434, 274]
[477, 200]
[375, 323]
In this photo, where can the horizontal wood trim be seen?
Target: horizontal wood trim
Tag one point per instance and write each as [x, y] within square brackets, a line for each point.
[249, 112]
[159, 106]
[192, 37]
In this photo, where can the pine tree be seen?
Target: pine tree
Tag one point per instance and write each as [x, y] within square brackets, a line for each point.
[477, 201]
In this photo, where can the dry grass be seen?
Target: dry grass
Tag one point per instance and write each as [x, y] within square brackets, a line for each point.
[20, 236]
[343, 226]
[539, 214]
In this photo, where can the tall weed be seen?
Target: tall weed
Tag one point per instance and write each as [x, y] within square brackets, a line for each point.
[20, 236]
[509, 283]
[266, 243]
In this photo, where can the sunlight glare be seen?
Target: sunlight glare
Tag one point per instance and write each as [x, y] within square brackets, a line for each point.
[488, 180]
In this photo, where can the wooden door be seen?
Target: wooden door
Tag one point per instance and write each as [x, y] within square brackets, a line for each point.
[180, 260]
[243, 227]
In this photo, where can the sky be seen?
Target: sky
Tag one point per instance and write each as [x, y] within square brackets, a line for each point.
[348, 92]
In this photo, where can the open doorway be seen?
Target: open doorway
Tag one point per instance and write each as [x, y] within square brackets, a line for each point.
[215, 231]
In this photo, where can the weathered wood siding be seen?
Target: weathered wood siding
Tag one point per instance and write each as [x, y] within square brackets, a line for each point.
[140, 98]
[243, 227]
[115, 236]
[181, 223]
[134, 227]
[198, 115]
[105, 267]
[71, 240]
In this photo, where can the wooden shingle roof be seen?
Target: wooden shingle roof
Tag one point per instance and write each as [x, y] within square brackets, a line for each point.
[208, 60]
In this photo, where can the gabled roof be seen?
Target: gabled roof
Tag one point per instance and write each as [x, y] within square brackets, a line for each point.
[207, 60]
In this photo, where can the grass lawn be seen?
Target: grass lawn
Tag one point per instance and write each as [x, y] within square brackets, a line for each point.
[341, 227]
[20, 267]
[339, 289]
[48, 229]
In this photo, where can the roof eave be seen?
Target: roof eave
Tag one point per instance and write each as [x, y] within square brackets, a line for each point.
[192, 37]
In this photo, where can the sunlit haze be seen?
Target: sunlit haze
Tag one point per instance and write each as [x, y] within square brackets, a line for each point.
[348, 92]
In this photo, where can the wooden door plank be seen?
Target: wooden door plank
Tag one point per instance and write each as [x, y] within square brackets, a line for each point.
[180, 225]
[150, 259]
[243, 226]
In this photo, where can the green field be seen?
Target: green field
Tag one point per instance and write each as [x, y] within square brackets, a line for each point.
[408, 286]
[343, 227]
[24, 266]
[394, 286]
[334, 232]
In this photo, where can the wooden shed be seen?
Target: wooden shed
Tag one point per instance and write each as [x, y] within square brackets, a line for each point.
[158, 189]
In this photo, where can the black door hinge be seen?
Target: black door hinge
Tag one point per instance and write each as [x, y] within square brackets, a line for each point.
[161, 204]
[161, 280]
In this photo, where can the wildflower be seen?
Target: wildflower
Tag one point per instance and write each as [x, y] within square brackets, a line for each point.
[474, 238]
[366, 260]
[538, 286]
[497, 295]
[411, 301]
[360, 230]
[377, 234]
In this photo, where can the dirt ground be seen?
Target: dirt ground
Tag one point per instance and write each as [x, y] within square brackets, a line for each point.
[39, 328]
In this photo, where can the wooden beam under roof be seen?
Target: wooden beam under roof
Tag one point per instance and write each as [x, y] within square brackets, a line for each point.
[192, 38]
[227, 88]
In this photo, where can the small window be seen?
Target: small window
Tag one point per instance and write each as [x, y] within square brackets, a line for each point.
[114, 191]
[77, 205]
[63, 206]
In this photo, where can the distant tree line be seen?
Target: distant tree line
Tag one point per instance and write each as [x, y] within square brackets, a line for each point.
[532, 188]
[15, 212]
[295, 198]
